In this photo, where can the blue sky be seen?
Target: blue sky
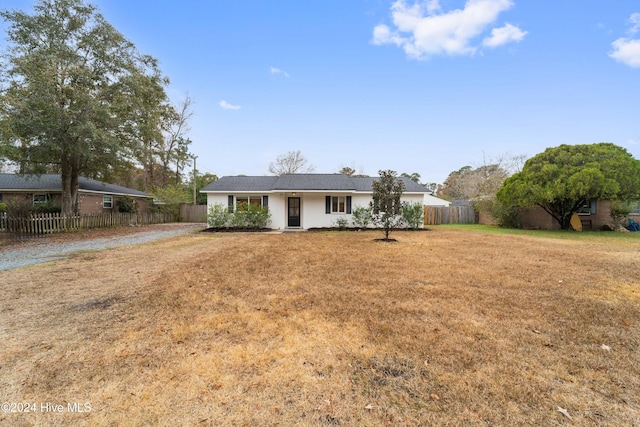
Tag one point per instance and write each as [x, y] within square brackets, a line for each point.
[425, 87]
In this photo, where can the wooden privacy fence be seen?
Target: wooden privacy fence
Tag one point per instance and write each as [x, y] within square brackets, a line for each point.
[193, 213]
[56, 223]
[436, 215]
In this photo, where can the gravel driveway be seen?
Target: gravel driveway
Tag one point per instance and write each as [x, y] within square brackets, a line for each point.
[43, 249]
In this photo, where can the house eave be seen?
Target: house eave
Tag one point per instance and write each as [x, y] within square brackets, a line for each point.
[111, 193]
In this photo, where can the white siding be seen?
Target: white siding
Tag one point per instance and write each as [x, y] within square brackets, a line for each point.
[312, 207]
[430, 200]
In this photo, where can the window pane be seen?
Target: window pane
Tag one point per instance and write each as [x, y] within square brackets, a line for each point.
[39, 199]
[242, 203]
[255, 201]
[338, 204]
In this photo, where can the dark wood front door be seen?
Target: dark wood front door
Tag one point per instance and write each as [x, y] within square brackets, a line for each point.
[293, 212]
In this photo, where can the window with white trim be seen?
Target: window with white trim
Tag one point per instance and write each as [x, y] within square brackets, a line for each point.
[107, 202]
[338, 204]
[243, 202]
[40, 199]
[589, 208]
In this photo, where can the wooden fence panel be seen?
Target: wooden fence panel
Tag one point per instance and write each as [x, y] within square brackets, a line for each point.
[41, 224]
[436, 215]
[193, 213]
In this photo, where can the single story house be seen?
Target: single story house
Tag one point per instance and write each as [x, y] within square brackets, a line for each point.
[93, 196]
[303, 200]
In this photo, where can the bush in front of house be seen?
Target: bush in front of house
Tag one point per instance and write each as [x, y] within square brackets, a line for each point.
[3, 207]
[251, 217]
[362, 216]
[413, 215]
[506, 215]
[257, 217]
[25, 208]
[341, 223]
[218, 216]
[127, 205]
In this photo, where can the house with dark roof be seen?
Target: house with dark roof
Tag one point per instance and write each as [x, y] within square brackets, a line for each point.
[304, 200]
[93, 196]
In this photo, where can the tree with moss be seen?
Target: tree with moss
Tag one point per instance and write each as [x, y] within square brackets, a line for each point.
[561, 180]
[76, 96]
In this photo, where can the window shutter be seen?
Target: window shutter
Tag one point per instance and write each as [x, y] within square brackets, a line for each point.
[348, 204]
[327, 204]
[230, 203]
[265, 201]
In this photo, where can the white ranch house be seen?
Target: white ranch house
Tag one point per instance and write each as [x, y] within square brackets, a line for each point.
[306, 200]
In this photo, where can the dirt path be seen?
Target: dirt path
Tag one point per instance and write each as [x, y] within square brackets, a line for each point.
[20, 253]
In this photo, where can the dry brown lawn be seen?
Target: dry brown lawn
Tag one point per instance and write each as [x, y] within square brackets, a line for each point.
[444, 327]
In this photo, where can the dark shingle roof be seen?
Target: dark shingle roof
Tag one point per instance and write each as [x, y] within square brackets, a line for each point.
[53, 183]
[299, 182]
[241, 183]
[302, 182]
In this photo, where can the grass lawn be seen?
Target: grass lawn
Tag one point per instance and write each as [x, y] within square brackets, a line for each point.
[444, 327]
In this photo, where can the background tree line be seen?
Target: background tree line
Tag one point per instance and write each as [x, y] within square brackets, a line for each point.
[77, 98]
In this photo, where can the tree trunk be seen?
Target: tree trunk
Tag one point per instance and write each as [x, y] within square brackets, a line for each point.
[65, 176]
[74, 191]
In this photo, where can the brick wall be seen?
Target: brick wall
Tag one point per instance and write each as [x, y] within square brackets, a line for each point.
[92, 204]
[537, 219]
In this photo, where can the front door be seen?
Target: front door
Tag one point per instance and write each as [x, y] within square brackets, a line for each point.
[293, 212]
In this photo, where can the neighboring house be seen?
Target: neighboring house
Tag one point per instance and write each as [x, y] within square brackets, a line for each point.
[303, 200]
[93, 196]
[594, 215]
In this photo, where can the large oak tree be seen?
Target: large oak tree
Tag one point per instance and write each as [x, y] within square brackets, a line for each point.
[563, 179]
[76, 96]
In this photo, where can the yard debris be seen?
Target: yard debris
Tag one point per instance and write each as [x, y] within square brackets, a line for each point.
[369, 407]
[605, 347]
[564, 412]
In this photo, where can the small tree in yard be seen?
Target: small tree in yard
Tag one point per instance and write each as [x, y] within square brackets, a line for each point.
[386, 204]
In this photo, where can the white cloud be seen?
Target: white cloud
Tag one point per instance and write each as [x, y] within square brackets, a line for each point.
[635, 20]
[627, 50]
[274, 70]
[224, 104]
[499, 36]
[422, 30]
[433, 6]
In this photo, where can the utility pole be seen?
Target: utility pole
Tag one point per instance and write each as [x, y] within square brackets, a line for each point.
[194, 179]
